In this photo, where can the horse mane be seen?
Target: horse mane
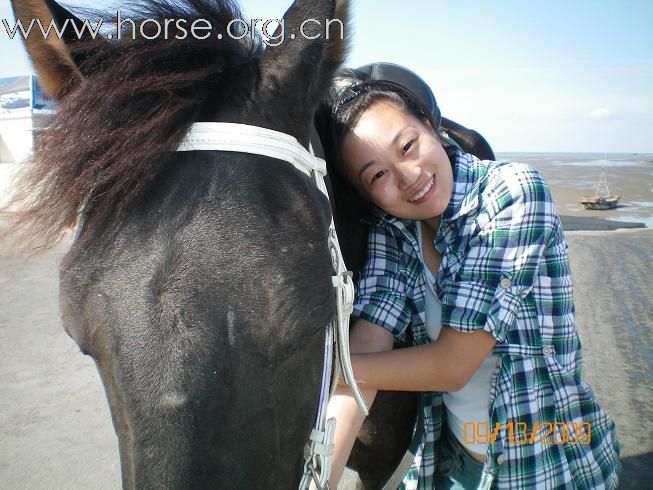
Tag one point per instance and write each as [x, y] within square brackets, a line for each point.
[113, 132]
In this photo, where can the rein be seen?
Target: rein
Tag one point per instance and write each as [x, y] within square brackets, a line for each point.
[242, 138]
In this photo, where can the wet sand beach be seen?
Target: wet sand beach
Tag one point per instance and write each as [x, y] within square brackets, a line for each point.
[613, 281]
[571, 176]
[55, 427]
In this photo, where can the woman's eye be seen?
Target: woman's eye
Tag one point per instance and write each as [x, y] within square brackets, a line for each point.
[378, 175]
[408, 146]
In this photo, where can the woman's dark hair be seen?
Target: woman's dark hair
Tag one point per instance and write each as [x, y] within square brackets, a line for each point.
[348, 99]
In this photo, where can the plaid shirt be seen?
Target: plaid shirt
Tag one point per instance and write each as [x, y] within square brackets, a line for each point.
[504, 269]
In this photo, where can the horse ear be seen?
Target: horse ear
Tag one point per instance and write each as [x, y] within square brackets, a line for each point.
[308, 48]
[51, 58]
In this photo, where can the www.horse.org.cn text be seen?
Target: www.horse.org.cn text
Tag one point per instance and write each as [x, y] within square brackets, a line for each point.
[271, 32]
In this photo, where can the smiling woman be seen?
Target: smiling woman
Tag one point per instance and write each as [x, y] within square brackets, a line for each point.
[467, 261]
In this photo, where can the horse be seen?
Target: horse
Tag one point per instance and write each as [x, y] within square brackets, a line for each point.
[199, 281]
[203, 308]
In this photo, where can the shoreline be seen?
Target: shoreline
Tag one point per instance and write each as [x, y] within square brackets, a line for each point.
[592, 223]
[607, 233]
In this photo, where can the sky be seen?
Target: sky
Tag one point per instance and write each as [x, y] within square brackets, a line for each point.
[531, 76]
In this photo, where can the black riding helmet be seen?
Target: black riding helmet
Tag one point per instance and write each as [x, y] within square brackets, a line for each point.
[391, 72]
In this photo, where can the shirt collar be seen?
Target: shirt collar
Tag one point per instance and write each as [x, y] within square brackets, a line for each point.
[466, 183]
[406, 226]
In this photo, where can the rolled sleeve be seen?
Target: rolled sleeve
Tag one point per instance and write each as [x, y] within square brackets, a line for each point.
[381, 292]
[382, 305]
[499, 267]
[473, 306]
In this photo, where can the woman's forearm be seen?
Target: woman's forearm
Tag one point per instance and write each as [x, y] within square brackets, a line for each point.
[408, 369]
[365, 337]
[349, 420]
[444, 365]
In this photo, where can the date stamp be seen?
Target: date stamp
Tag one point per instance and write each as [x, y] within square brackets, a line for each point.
[519, 433]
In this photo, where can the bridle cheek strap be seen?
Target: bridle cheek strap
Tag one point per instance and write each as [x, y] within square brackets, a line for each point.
[242, 138]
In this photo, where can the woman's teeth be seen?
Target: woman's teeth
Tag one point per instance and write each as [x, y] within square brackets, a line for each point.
[423, 192]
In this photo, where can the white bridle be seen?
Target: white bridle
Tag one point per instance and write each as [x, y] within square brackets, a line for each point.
[243, 138]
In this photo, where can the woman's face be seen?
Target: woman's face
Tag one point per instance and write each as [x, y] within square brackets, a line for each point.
[397, 162]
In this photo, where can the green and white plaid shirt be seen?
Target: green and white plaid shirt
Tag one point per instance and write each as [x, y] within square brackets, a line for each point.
[505, 270]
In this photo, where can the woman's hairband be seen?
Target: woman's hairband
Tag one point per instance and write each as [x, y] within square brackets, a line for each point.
[354, 88]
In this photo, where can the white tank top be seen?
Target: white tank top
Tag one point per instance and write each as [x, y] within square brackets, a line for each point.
[467, 408]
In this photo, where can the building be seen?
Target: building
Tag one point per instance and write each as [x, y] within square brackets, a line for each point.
[24, 108]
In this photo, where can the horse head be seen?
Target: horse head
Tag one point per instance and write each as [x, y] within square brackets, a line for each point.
[199, 282]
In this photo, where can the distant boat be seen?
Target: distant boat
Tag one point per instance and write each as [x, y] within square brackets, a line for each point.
[602, 199]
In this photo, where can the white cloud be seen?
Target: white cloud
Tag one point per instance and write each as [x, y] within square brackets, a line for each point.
[601, 113]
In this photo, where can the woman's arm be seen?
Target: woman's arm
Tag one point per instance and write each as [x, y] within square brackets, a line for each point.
[364, 337]
[444, 365]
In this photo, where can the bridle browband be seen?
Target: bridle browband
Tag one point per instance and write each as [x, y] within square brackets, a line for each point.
[243, 138]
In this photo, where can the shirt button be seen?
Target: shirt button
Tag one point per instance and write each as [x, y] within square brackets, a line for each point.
[547, 350]
[505, 283]
[501, 459]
